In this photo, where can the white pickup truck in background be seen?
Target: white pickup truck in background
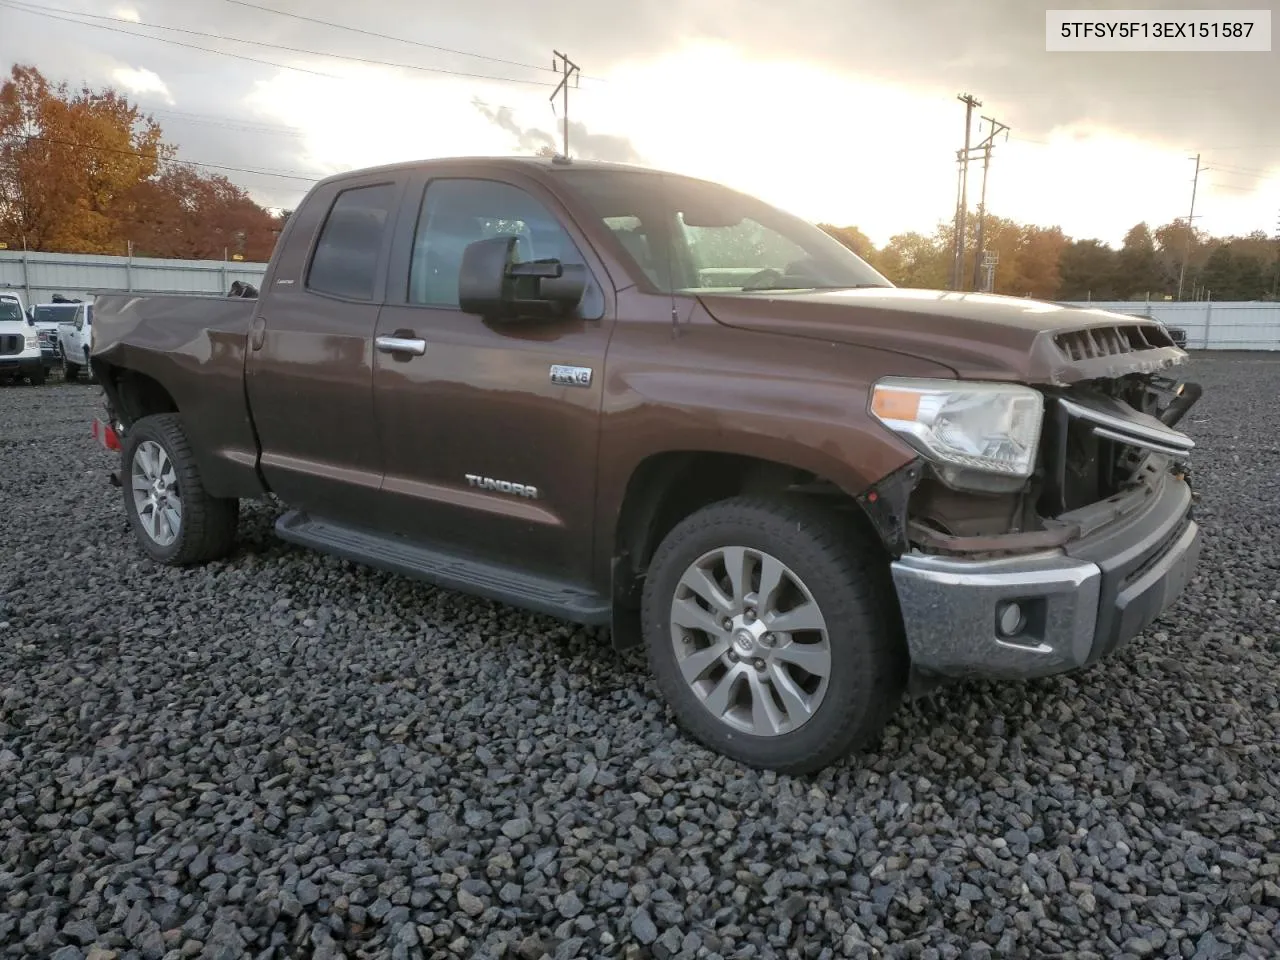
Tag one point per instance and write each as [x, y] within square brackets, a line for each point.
[47, 317]
[20, 354]
[74, 337]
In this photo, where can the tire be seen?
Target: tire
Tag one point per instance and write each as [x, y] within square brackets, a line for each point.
[845, 575]
[88, 368]
[70, 371]
[206, 526]
[38, 378]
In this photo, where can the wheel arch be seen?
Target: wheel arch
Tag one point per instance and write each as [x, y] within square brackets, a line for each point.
[667, 486]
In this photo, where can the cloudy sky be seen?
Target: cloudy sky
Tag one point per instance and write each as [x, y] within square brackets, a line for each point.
[839, 110]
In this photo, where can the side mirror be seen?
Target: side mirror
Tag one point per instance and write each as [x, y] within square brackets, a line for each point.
[492, 284]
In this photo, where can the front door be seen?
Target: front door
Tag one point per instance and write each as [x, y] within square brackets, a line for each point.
[309, 372]
[489, 429]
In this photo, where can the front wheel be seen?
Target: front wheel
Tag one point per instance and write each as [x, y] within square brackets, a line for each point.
[769, 634]
[175, 520]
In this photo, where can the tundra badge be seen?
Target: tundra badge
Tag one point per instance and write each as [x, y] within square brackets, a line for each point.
[566, 376]
[502, 486]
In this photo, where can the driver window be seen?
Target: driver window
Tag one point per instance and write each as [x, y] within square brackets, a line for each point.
[457, 212]
[729, 256]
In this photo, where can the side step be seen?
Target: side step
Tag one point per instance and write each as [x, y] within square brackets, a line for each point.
[489, 580]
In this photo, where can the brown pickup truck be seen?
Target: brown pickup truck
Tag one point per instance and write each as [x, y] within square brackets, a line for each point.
[629, 398]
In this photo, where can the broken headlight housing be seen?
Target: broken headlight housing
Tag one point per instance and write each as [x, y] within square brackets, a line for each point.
[978, 436]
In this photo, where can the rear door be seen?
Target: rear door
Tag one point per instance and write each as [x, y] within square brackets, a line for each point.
[486, 451]
[309, 372]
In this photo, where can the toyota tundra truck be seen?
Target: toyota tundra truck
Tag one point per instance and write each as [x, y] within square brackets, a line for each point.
[633, 399]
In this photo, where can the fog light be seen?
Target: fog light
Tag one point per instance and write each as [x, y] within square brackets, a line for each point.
[1010, 619]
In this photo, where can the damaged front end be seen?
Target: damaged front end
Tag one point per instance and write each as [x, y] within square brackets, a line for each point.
[1051, 570]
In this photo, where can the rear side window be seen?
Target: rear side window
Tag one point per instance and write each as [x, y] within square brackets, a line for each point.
[345, 263]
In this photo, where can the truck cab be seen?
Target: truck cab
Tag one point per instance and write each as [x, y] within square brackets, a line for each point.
[634, 399]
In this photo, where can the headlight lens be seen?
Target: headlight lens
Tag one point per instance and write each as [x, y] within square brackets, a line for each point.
[991, 428]
[32, 341]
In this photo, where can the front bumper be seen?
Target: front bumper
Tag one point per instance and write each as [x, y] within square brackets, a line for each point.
[1078, 604]
[21, 366]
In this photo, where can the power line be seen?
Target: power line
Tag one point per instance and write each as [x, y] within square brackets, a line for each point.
[368, 61]
[386, 36]
[177, 43]
[227, 123]
[256, 126]
[151, 156]
[1246, 171]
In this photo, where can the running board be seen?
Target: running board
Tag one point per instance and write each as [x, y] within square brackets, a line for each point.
[492, 581]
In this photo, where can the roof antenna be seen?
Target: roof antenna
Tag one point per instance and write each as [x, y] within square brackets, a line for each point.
[567, 68]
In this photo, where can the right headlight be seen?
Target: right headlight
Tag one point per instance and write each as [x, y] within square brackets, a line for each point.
[973, 432]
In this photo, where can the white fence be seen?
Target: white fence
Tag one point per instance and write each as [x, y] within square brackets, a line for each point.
[1210, 326]
[38, 276]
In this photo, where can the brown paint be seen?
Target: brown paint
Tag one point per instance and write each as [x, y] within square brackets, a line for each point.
[318, 416]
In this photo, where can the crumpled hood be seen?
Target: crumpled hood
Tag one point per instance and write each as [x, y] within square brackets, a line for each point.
[979, 336]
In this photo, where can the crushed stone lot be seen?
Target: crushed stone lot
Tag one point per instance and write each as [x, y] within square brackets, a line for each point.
[287, 755]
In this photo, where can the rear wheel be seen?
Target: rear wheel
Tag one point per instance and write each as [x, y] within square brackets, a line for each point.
[175, 520]
[768, 632]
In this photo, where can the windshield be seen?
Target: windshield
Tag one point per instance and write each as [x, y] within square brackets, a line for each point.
[9, 310]
[55, 313]
[690, 236]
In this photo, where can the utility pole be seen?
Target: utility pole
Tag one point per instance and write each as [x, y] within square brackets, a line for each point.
[996, 129]
[1275, 277]
[567, 69]
[989, 261]
[1186, 254]
[957, 273]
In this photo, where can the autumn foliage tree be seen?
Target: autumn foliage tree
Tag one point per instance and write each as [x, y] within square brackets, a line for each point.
[1043, 262]
[85, 171]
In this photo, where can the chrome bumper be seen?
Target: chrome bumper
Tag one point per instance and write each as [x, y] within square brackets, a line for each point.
[1074, 606]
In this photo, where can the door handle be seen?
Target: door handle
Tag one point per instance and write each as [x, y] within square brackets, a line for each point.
[401, 345]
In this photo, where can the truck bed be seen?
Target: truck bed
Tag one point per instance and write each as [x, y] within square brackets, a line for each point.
[192, 347]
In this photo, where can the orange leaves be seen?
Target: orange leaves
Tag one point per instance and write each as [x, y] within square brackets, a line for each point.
[86, 172]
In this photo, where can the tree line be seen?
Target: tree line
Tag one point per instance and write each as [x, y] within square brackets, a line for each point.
[1043, 262]
[85, 171]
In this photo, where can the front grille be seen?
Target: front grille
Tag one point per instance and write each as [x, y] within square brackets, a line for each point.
[1093, 446]
[11, 343]
[1096, 342]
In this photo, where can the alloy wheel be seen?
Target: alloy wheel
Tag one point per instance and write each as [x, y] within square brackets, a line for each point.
[750, 641]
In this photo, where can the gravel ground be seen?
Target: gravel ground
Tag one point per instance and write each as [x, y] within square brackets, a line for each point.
[286, 755]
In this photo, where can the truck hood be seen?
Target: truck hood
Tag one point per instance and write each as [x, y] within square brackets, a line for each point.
[979, 336]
